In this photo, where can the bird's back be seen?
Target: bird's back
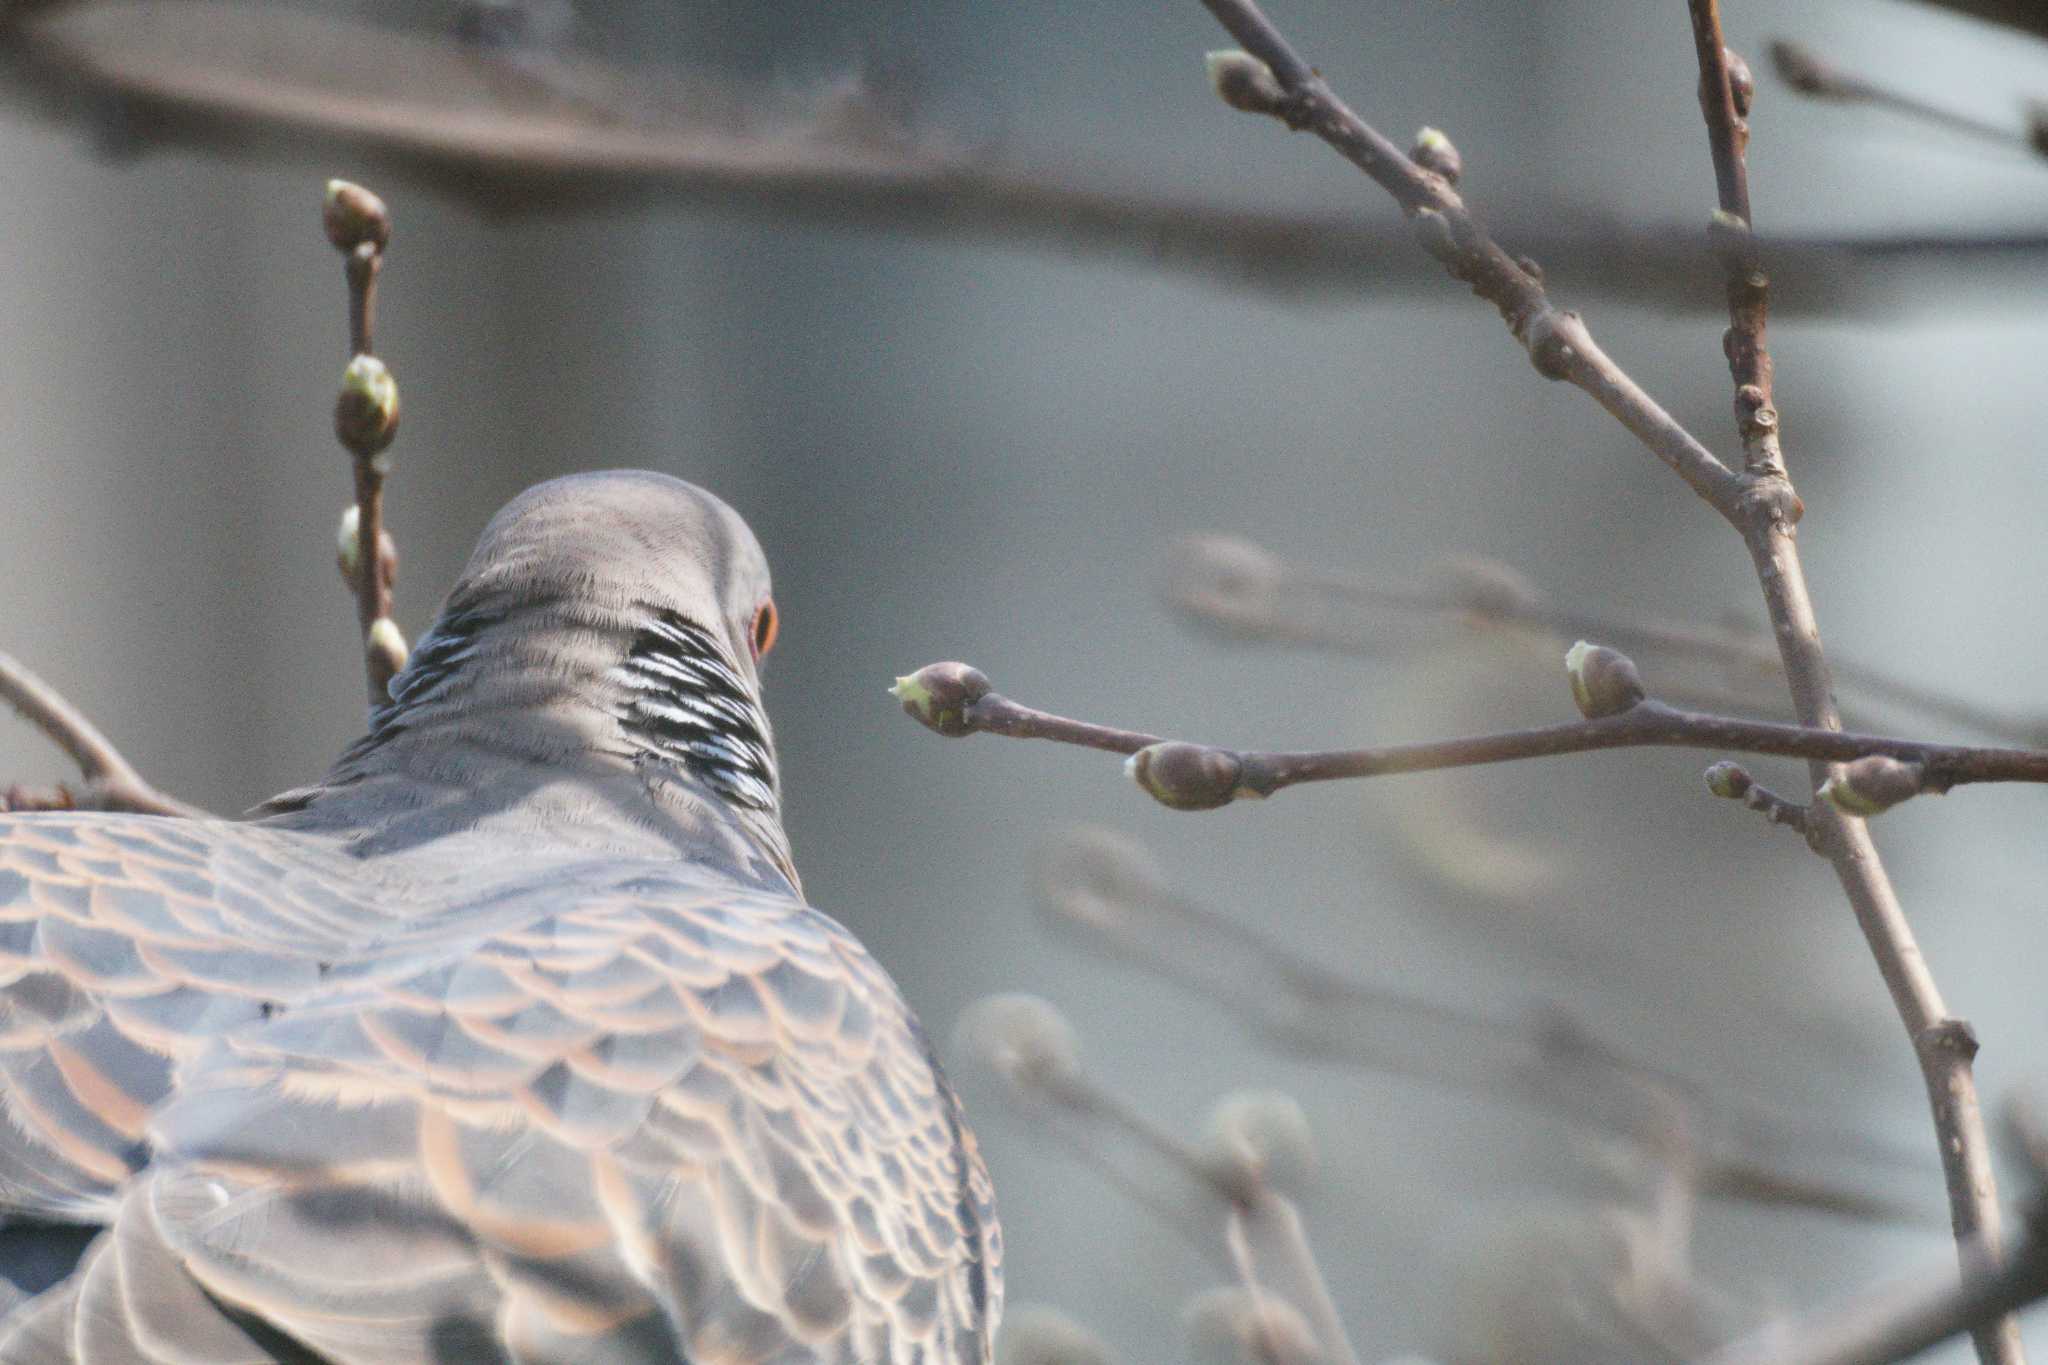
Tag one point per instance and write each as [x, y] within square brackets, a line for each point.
[468, 1103]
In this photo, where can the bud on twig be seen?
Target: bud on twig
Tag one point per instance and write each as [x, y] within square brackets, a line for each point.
[1604, 681]
[1730, 781]
[348, 548]
[366, 411]
[1245, 83]
[1741, 84]
[937, 696]
[384, 647]
[353, 216]
[1187, 776]
[1435, 152]
[1873, 785]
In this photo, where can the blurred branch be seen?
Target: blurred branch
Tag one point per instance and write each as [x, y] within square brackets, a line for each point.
[957, 700]
[111, 782]
[1031, 1046]
[1809, 75]
[564, 132]
[1902, 1321]
[1241, 591]
[1114, 896]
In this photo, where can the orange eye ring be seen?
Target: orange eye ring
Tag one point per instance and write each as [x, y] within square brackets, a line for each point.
[766, 625]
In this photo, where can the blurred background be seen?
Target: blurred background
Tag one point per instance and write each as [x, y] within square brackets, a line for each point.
[959, 446]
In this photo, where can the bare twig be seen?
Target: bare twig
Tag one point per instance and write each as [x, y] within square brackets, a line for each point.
[1733, 782]
[1944, 1045]
[1809, 75]
[365, 421]
[956, 700]
[111, 782]
[1760, 502]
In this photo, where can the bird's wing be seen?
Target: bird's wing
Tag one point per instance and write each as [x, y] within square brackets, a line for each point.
[649, 1117]
[127, 943]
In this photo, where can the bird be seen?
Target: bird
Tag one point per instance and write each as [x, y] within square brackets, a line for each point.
[513, 1039]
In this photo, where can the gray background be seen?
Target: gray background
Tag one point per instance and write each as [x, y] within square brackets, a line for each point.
[970, 453]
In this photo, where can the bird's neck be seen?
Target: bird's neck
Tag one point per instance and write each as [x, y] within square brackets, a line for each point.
[626, 732]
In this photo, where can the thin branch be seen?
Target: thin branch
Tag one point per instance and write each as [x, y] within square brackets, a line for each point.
[956, 700]
[1760, 502]
[1733, 782]
[1276, 81]
[1806, 73]
[1944, 1045]
[111, 781]
[365, 422]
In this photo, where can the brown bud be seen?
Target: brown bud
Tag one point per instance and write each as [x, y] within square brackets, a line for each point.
[1245, 83]
[1187, 776]
[1741, 84]
[366, 410]
[937, 696]
[1604, 681]
[1873, 785]
[352, 216]
[1549, 351]
[1435, 152]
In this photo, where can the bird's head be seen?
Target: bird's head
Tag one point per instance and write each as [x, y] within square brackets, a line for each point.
[595, 668]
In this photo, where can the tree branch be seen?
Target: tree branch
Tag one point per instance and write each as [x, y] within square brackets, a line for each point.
[111, 782]
[365, 422]
[956, 700]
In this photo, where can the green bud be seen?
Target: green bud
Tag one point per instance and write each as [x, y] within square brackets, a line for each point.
[348, 542]
[385, 646]
[1434, 152]
[366, 411]
[1873, 785]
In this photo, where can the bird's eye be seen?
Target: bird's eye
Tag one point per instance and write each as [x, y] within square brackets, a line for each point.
[766, 623]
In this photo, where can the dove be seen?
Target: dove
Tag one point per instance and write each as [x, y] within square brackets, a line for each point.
[513, 1039]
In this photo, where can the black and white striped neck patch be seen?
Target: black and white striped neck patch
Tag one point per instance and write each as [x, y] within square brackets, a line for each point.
[684, 702]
